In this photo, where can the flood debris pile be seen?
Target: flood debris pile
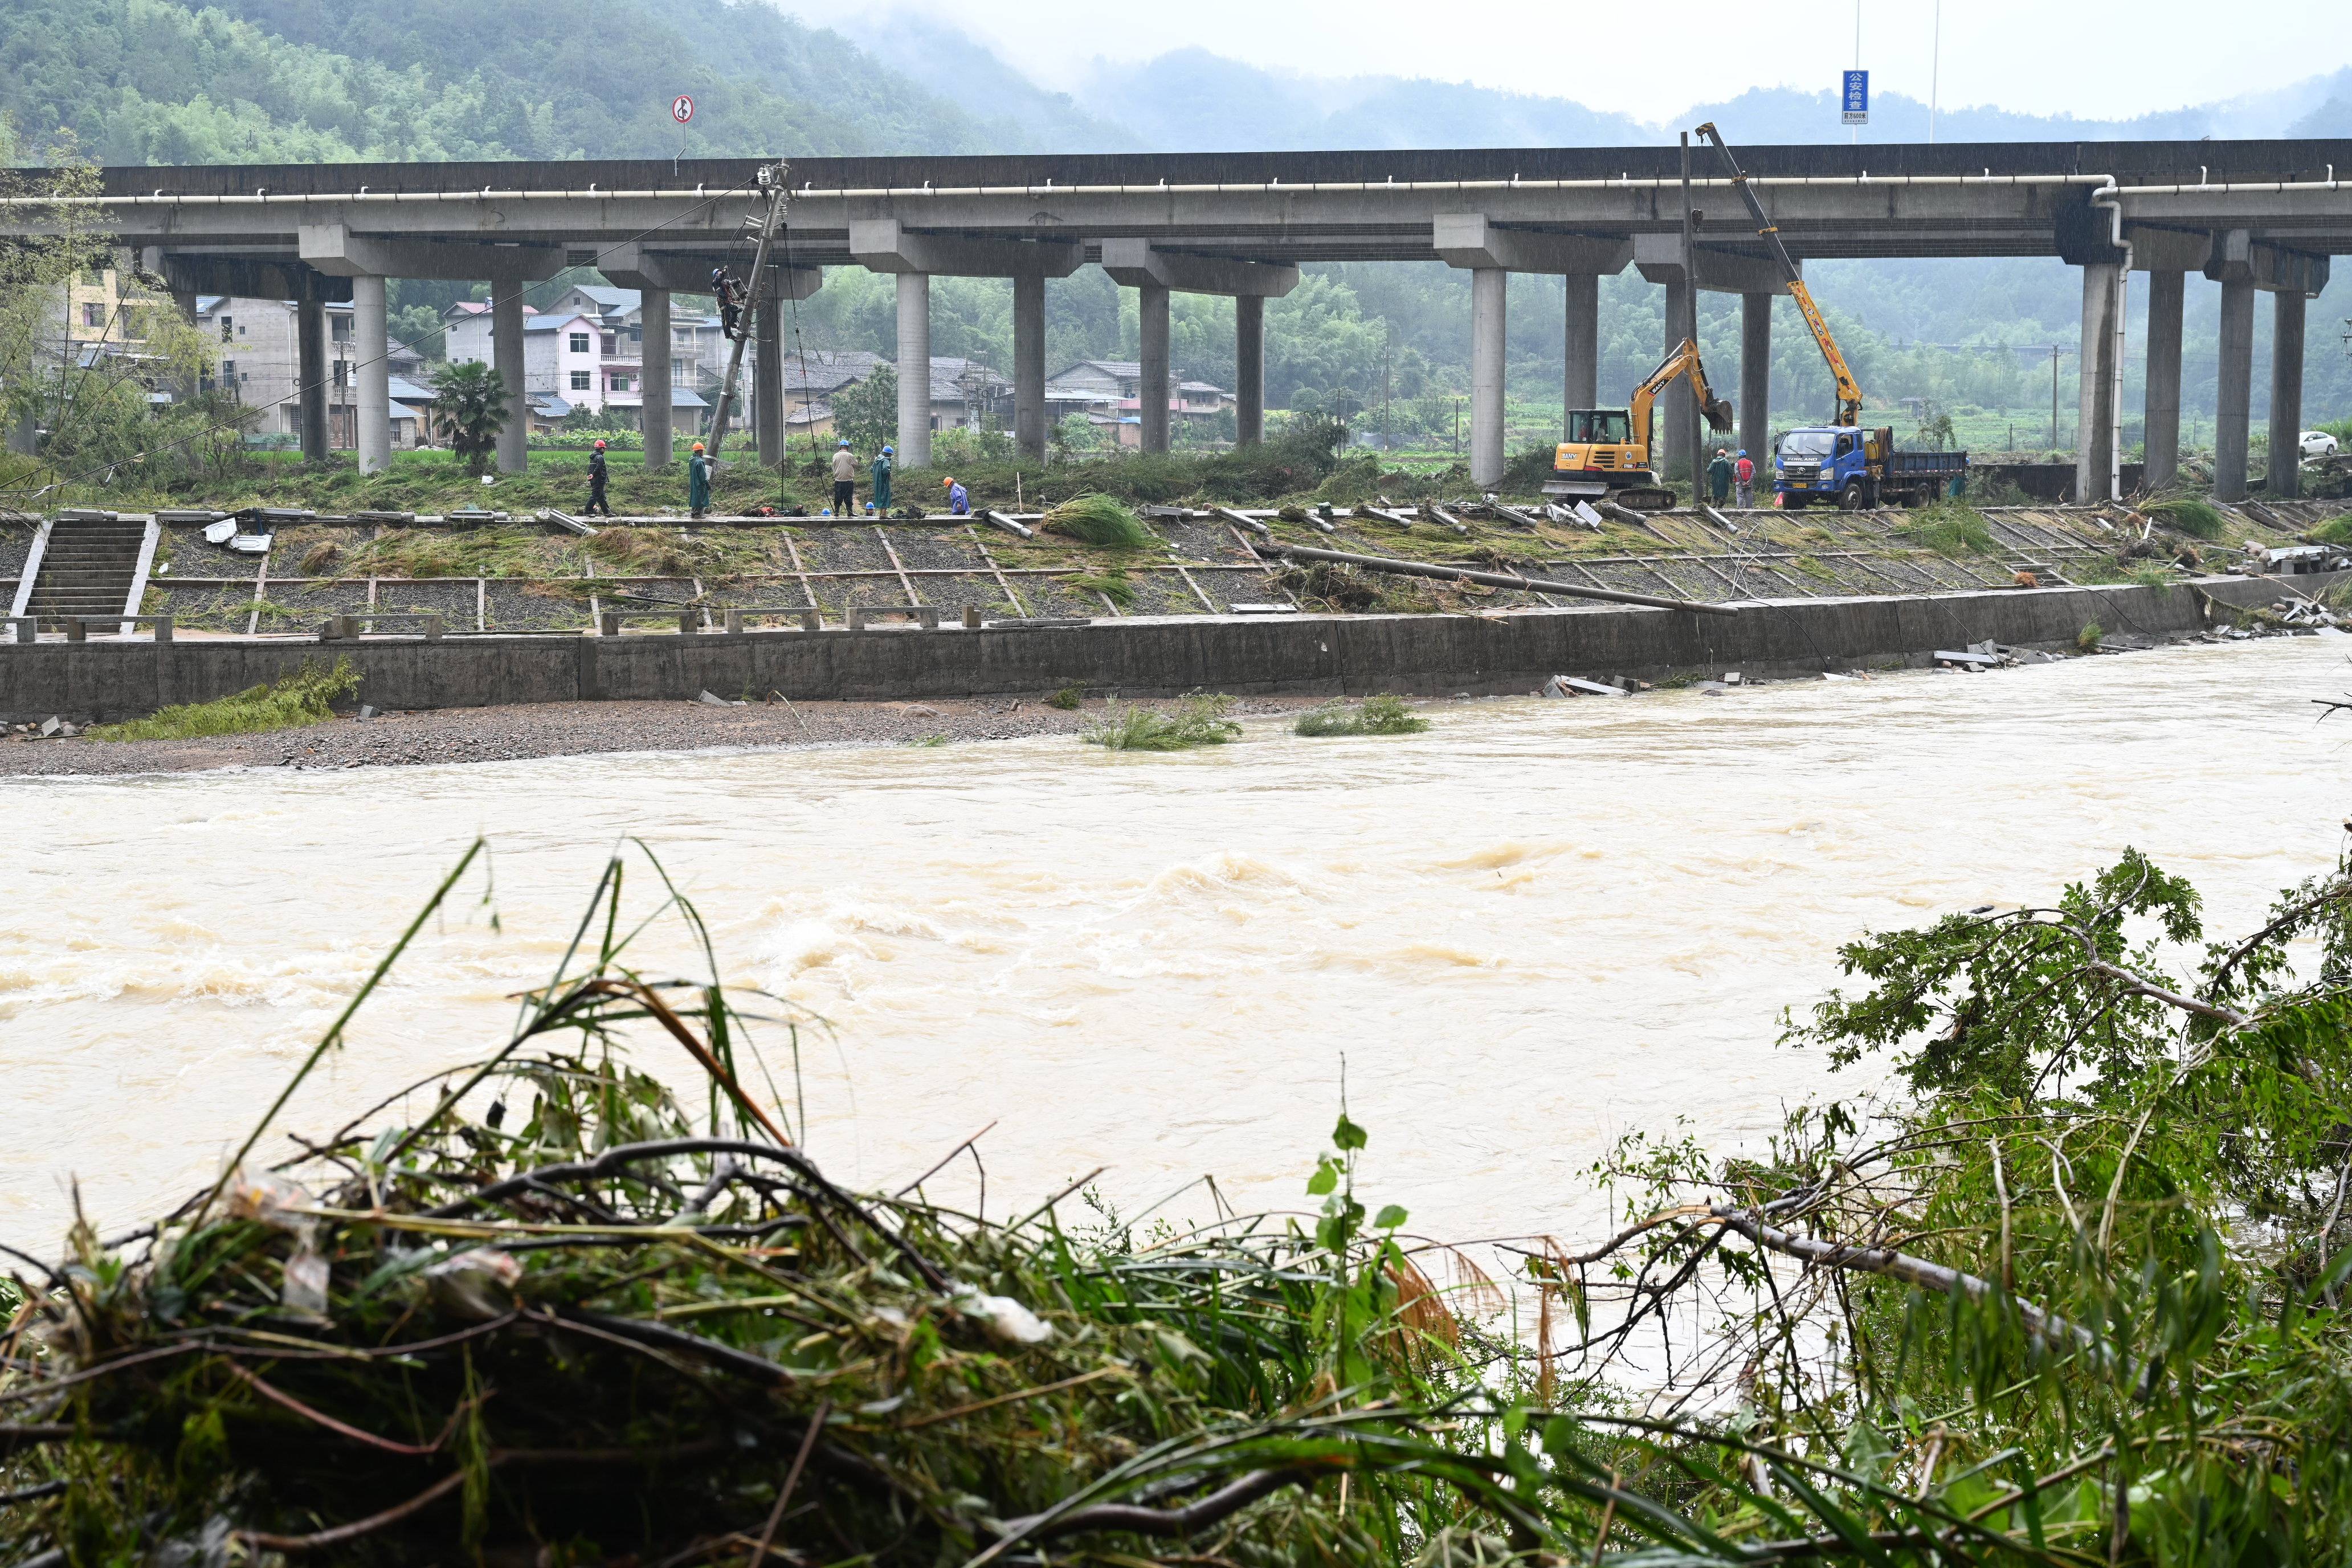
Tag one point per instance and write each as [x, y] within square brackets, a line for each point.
[540, 1309]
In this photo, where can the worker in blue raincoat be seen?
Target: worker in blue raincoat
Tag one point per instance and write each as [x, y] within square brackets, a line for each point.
[882, 479]
[958, 499]
[697, 482]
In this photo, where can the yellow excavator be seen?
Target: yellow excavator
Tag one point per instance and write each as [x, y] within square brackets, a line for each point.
[1607, 453]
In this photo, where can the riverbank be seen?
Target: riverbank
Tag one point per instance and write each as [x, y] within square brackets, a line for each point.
[437, 736]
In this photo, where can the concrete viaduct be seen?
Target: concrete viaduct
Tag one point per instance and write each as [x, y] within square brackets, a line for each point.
[2256, 216]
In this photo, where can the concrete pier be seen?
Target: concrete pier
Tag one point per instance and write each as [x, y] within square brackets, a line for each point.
[1152, 389]
[768, 382]
[2234, 401]
[2094, 425]
[2287, 317]
[375, 374]
[506, 349]
[1489, 298]
[1029, 365]
[311, 368]
[914, 370]
[654, 406]
[1582, 342]
[1249, 369]
[1755, 381]
[2165, 290]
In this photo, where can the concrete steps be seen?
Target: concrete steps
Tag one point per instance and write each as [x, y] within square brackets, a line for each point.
[88, 569]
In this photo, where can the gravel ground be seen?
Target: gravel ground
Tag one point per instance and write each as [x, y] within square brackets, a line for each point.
[569, 729]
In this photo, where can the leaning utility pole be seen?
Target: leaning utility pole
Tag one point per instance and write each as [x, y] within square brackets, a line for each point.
[772, 182]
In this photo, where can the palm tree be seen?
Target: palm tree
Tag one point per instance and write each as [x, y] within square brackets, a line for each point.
[469, 409]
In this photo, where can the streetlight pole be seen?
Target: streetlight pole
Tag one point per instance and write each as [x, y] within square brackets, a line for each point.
[1935, 71]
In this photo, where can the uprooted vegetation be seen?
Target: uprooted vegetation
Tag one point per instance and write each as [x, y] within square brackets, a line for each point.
[1380, 715]
[1950, 527]
[2192, 515]
[296, 701]
[2073, 1300]
[1202, 719]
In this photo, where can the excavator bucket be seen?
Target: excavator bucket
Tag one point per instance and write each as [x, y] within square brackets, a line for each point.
[1718, 413]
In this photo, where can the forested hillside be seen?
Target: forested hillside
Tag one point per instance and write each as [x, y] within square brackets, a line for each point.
[139, 82]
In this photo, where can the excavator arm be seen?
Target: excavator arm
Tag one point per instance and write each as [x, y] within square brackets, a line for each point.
[1683, 361]
[1849, 393]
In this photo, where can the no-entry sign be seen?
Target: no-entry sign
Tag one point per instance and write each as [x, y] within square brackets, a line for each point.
[681, 109]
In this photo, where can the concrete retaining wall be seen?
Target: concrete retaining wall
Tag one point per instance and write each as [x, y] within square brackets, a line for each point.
[1407, 654]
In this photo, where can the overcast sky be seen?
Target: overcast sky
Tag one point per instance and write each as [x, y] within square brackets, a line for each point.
[2095, 59]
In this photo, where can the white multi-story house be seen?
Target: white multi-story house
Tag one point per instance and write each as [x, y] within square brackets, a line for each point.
[586, 351]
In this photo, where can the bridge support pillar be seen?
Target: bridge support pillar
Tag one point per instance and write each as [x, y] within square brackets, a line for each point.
[768, 382]
[2287, 312]
[1681, 444]
[915, 372]
[1029, 364]
[2095, 416]
[654, 407]
[1489, 305]
[2233, 399]
[506, 353]
[2161, 425]
[1756, 379]
[375, 374]
[1582, 387]
[1151, 390]
[310, 367]
[1249, 370]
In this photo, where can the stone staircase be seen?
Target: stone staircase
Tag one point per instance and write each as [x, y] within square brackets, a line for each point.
[88, 568]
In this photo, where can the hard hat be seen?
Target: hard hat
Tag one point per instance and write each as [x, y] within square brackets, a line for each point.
[890, 451]
[1743, 451]
[949, 480]
[697, 445]
[599, 445]
[843, 442]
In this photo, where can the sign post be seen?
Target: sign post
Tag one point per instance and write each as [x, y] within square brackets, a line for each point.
[681, 110]
[1856, 98]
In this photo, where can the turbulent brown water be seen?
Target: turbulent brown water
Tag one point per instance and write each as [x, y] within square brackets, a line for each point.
[1525, 932]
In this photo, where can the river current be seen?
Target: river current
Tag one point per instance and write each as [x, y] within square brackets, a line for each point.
[1538, 927]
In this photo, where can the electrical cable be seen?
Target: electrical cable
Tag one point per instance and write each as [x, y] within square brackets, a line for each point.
[107, 469]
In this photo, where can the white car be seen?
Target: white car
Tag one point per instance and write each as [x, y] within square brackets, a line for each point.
[2318, 444]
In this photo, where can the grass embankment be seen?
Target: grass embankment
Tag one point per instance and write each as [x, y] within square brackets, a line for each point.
[1201, 720]
[1380, 715]
[291, 703]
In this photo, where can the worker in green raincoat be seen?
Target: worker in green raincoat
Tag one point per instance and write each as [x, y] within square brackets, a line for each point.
[882, 480]
[697, 482]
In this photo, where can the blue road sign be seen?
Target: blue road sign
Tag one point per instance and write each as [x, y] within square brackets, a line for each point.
[1856, 97]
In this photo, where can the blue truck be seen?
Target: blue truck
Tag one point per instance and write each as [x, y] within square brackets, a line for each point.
[1849, 467]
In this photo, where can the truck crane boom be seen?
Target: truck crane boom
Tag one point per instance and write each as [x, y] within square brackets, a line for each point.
[1849, 393]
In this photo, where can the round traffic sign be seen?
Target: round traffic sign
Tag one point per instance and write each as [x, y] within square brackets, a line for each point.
[681, 109]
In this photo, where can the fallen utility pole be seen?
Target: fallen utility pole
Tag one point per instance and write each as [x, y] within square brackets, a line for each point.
[1488, 579]
[772, 182]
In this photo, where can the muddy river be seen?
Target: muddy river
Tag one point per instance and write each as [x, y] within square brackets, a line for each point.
[1520, 936]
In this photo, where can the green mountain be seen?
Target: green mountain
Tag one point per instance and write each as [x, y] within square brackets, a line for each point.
[158, 82]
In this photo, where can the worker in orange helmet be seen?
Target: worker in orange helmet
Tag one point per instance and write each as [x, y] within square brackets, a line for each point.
[596, 501]
[958, 498]
[697, 482]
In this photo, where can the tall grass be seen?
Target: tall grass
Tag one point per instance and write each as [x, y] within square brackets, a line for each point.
[2335, 530]
[1200, 720]
[1381, 715]
[1099, 521]
[2192, 515]
[1949, 528]
[290, 702]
